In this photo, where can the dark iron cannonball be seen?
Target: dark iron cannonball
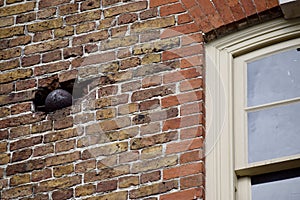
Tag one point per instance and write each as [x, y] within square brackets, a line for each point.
[58, 99]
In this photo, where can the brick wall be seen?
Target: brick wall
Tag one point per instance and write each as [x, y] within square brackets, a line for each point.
[136, 127]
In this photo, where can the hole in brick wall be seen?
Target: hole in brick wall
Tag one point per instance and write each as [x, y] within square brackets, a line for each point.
[59, 92]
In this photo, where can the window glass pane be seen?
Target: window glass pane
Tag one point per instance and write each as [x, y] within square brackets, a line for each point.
[273, 78]
[286, 189]
[274, 132]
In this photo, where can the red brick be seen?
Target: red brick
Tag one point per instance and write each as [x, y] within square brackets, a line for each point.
[156, 3]
[85, 166]
[272, 3]
[181, 99]
[184, 18]
[190, 194]
[237, 11]
[181, 75]
[191, 84]
[224, 10]
[184, 145]
[191, 132]
[192, 108]
[260, 5]
[192, 61]
[191, 156]
[149, 105]
[182, 52]
[180, 30]
[249, 7]
[171, 9]
[183, 170]
[189, 3]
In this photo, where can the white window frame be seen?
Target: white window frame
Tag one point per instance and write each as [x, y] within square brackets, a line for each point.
[220, 159]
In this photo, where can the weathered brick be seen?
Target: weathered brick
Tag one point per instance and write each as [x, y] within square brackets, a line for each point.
[114, 195]
[3, 147]
[21, 107]
[6, 88]
[192, 62]
[49, 68]
[157, 188]
[43, 150]
[86, 27]
[65, 31]
[150, 128]
[149, 13]
[129, 108]
[136, 6]
[51, 56]
[4, 158]
[45, 3]
[105, 113]
[106, 186]
[21, 155]
[85, 166]
[161, 45]
[128, 156]
[63, 170]
[138, 143]
[3, 134]
[25, 166]
[182, 52]
[7, 21]
[124, 53]
[62, 159]
[9, 64]
[90, 4]
[39, 175]
[157, 163]
[151, 81]
[127, 18]
[27, 17]
[90, 48]
[128, 181]
[192, 181]
[19, 131]
[65, 145]
[4, 112]
[111, 101]
[119, 42]
[47, 13]
[22, 119]
[41, 36]
[10, 53]
[183, 194]
[106, 173]
[151, 152]
[151, 58]
[107, 23]
[62, 194]
[72, 52]
[130, 63]
[68, 9]
[152, 92]
[30, 60]
[60, 135]
[153, 24]
[107, 91]
[22, 143]
[13, 98]
[85, 190]
[41, 127]
[16, 192]
[91, 37]
[119, 31]
[83, 17]
[84, 118]
[182, 146]
[183, 170]
[131, 86]
[105, 150]
[150, 177]
[109, 2]
[46, 46]
[58, 183]
[19, 179]
[17, 9]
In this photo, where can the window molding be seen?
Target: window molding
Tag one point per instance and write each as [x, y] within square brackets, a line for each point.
[220, 175]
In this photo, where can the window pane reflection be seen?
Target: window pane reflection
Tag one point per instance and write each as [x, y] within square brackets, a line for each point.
[274, 132]
[274, 78]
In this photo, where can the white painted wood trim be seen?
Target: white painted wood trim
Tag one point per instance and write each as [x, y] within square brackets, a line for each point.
[220, 175]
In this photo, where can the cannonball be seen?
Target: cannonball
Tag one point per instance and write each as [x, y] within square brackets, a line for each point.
[58, 99]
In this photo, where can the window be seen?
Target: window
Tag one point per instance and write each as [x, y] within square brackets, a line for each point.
[253, 108]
